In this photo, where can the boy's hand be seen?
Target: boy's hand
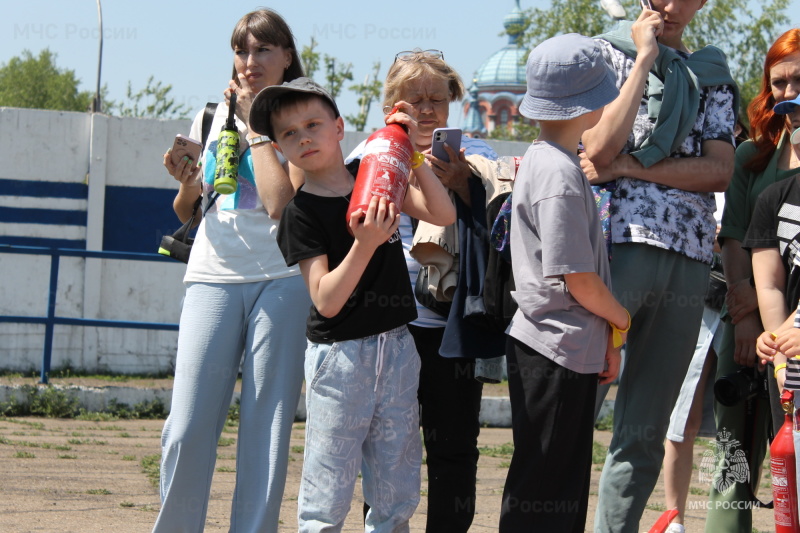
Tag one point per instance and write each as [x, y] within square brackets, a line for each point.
[380, 222]
[613, 361]
[789, 342]
[766, 347]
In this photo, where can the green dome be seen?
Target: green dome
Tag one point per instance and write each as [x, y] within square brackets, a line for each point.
[505, 69]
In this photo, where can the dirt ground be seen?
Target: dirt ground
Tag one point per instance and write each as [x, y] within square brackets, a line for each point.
[77, 476]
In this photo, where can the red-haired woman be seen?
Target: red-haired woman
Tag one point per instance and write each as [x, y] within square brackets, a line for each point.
[767, 158]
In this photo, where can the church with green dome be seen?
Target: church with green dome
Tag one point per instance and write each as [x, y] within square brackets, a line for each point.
[498, 86]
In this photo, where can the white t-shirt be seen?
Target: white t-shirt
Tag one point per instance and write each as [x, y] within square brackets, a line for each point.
[236, 240]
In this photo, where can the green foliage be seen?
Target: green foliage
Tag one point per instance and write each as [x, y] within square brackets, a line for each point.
[367, 92]
[504, 450]
[151, 466]
[599, 453]
[523, 132]
[336, 74]
[743, 34]
[41, 401]
[563, 16]
[606, 423]
[742, 29]
[334, 79]
[153, 101]
[51, 402]
[37, 83]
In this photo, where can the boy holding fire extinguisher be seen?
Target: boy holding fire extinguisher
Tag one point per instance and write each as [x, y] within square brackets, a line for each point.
[362, 367]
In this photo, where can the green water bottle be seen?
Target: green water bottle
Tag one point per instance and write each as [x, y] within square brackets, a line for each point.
[225, 179]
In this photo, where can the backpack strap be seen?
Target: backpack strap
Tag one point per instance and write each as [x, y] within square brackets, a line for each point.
[208, 116]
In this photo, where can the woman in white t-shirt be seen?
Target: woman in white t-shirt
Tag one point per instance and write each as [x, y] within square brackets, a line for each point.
[243, 307]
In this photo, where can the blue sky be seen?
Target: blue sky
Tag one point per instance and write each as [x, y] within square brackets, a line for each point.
[187, 44]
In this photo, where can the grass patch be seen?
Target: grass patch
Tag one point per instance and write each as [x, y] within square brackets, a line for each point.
[658, 507]
[25, 455]
[127, 504]
[67, 456]
[46, 401]
[225, 469]
[128, 457]
[598, 453]
[697, 491]
[103, 492]
[504, 450]
[151, 466]
[51, 402]
[224, 441]
[298, 449]
[606, 423]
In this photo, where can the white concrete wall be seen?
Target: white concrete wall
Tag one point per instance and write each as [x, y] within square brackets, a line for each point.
[48, 146]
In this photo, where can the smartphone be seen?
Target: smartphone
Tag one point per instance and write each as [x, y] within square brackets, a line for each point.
[646, 5]
[442, 136]
[184, 146]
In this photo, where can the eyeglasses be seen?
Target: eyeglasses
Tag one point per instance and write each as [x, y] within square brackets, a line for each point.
[409, 55]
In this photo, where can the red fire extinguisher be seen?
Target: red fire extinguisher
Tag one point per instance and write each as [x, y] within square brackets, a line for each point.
[384, 168]
[784, 478]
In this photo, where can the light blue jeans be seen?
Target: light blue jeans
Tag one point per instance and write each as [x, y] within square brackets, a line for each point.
[265, 321]
[361, 398]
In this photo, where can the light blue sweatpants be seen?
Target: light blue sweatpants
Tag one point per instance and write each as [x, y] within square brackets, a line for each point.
[265, 321]
[361, 398]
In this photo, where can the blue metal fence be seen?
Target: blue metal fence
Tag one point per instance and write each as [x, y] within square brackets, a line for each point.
[51, 319]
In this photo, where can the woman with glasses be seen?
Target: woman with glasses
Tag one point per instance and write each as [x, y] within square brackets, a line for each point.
[423, 85]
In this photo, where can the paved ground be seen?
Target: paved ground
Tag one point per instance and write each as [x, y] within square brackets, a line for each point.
[78, 476]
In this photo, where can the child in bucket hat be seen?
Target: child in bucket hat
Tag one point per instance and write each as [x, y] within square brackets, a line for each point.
[568, 330]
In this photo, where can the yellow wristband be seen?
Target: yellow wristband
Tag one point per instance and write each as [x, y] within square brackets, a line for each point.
[616, 333]
[417, 159]
[779, 367]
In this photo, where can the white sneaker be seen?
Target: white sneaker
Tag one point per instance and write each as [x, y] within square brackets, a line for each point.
[675, 528]
[613, 8]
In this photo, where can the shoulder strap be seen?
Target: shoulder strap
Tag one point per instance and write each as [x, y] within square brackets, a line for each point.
[208, 117]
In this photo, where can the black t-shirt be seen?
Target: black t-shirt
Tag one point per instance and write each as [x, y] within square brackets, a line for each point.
[776, 224]
[314, 225]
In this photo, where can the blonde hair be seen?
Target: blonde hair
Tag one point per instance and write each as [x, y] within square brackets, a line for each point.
[419, 65]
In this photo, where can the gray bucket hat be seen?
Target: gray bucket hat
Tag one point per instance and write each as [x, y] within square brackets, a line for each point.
[260, 110]
[567, 77]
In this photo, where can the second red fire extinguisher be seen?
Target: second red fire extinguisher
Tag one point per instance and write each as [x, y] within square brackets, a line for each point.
[784, 477]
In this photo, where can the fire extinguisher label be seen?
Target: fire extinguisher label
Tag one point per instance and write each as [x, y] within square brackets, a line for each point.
[780, 491]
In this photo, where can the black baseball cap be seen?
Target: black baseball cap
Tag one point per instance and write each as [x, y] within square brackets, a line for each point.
[260, 110]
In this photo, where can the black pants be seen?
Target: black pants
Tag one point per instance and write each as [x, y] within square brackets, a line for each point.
[450, 403]
[552, 417]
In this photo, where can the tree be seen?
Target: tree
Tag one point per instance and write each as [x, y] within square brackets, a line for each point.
[334, 80]
[743, 35]
[153, 101]
[731, 25]
[367, 92]
[37, 83]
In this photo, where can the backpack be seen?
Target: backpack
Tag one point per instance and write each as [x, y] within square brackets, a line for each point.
[499, 279]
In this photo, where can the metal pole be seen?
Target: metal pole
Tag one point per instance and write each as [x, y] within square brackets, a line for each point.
[51, 315]
[97, 105]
